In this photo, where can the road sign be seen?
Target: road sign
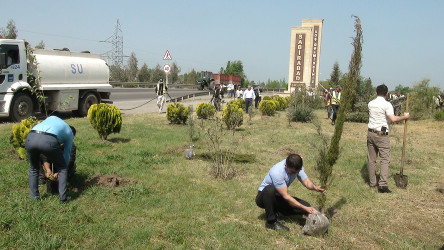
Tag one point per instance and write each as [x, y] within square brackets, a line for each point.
[167, 56]
[166, 68]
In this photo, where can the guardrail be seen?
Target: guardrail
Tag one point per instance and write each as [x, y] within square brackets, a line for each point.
[171, 85]
[189, 96]
[151, 85]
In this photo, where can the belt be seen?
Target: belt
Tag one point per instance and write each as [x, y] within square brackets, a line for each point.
[43, 133]
[378, 132]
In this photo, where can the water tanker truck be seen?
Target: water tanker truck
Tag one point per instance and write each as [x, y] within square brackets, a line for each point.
[67, 81]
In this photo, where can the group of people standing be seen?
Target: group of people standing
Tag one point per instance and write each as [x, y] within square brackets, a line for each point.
[51, 142]
[248, 95]
[273, 194]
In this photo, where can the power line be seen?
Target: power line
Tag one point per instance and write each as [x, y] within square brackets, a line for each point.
[55, 35]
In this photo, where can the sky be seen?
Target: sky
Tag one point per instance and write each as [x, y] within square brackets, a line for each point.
[402, 39]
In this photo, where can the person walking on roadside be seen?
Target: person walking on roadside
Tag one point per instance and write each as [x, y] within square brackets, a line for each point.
[248, 97]
[257, 93]
[230, 89]
[47, 138]
[335, 101]
[273, 194]
[378, 142]
[327, 98]
[161, 89]
[239, 92]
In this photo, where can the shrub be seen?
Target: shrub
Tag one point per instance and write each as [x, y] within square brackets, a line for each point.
[222, 157]
[177, 113]
[421, 100]
[105, 119]
[19, 134]
[361, 107]
[301, 96]
[265, 98]
[205, 110]
[282, 102]
[439, 115]
[300, 113]
[361, 117]
[233, 115]
[268, 107]
[240, 102]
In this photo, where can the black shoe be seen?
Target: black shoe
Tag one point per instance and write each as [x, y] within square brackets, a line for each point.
[65, 201]
[276, 226]
[332, 123]
[279, 216]
[384, 189]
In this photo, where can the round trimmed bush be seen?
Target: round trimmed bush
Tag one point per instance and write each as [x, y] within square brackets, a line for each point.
[105, 119]
[282, 102]
[233, 115]
[177, 113]
[205, 110]
[240, 102]
[19, 134]
[268, 107]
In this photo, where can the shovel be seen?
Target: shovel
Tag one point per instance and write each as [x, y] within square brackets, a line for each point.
[401, 180]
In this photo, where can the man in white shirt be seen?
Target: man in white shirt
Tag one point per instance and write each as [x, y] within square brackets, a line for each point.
[249, 97]
[239, 93]
[230, 89]
[378, 141]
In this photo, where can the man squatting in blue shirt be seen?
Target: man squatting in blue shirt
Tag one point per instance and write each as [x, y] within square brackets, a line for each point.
[47, 138]
[273, 192]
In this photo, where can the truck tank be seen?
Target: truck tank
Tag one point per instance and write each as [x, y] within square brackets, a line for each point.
[61, 68]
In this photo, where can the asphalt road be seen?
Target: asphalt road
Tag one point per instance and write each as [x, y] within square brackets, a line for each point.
[142, 94]
[134, 101]
[143, 100]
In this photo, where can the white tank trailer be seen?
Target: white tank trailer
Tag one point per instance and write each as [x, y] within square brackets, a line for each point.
[68, 81]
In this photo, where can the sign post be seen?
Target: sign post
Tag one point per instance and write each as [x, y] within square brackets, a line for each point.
[167, 67]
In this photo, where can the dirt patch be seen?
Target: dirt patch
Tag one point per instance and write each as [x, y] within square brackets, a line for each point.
[286, 151]
[14, 155]
[440, 189]
[109, 180]
[176, 150]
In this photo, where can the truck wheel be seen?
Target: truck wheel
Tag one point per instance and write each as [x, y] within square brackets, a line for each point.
[87, 102]
[21, 107]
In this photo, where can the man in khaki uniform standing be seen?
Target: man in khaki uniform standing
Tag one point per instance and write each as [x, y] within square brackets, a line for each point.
[378, 141]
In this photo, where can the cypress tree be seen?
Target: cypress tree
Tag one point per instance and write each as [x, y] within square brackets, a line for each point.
[325, 166]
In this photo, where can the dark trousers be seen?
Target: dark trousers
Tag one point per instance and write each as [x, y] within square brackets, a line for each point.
[257, 101]
[47, 145]
[248, 102]
[335, 112]
[272, 204]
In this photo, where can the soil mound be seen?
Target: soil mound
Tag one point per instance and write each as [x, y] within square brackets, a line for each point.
[109, 180]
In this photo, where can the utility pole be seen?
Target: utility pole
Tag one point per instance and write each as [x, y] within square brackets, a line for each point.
[115, 55]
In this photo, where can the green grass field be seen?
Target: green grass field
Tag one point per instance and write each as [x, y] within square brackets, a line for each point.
[177, 204]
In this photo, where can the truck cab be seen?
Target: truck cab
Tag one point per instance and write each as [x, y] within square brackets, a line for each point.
[49, 80]
[13, 75]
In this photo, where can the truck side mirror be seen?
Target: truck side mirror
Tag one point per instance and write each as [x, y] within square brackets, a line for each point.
[3, 61]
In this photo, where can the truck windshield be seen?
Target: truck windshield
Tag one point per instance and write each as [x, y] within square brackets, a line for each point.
[11, 52]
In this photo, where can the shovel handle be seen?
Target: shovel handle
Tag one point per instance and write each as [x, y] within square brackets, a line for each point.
[404, 138]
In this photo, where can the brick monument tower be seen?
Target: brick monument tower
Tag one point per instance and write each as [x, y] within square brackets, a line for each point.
[305, 51]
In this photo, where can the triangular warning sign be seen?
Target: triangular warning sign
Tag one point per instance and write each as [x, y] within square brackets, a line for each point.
[167, 56]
